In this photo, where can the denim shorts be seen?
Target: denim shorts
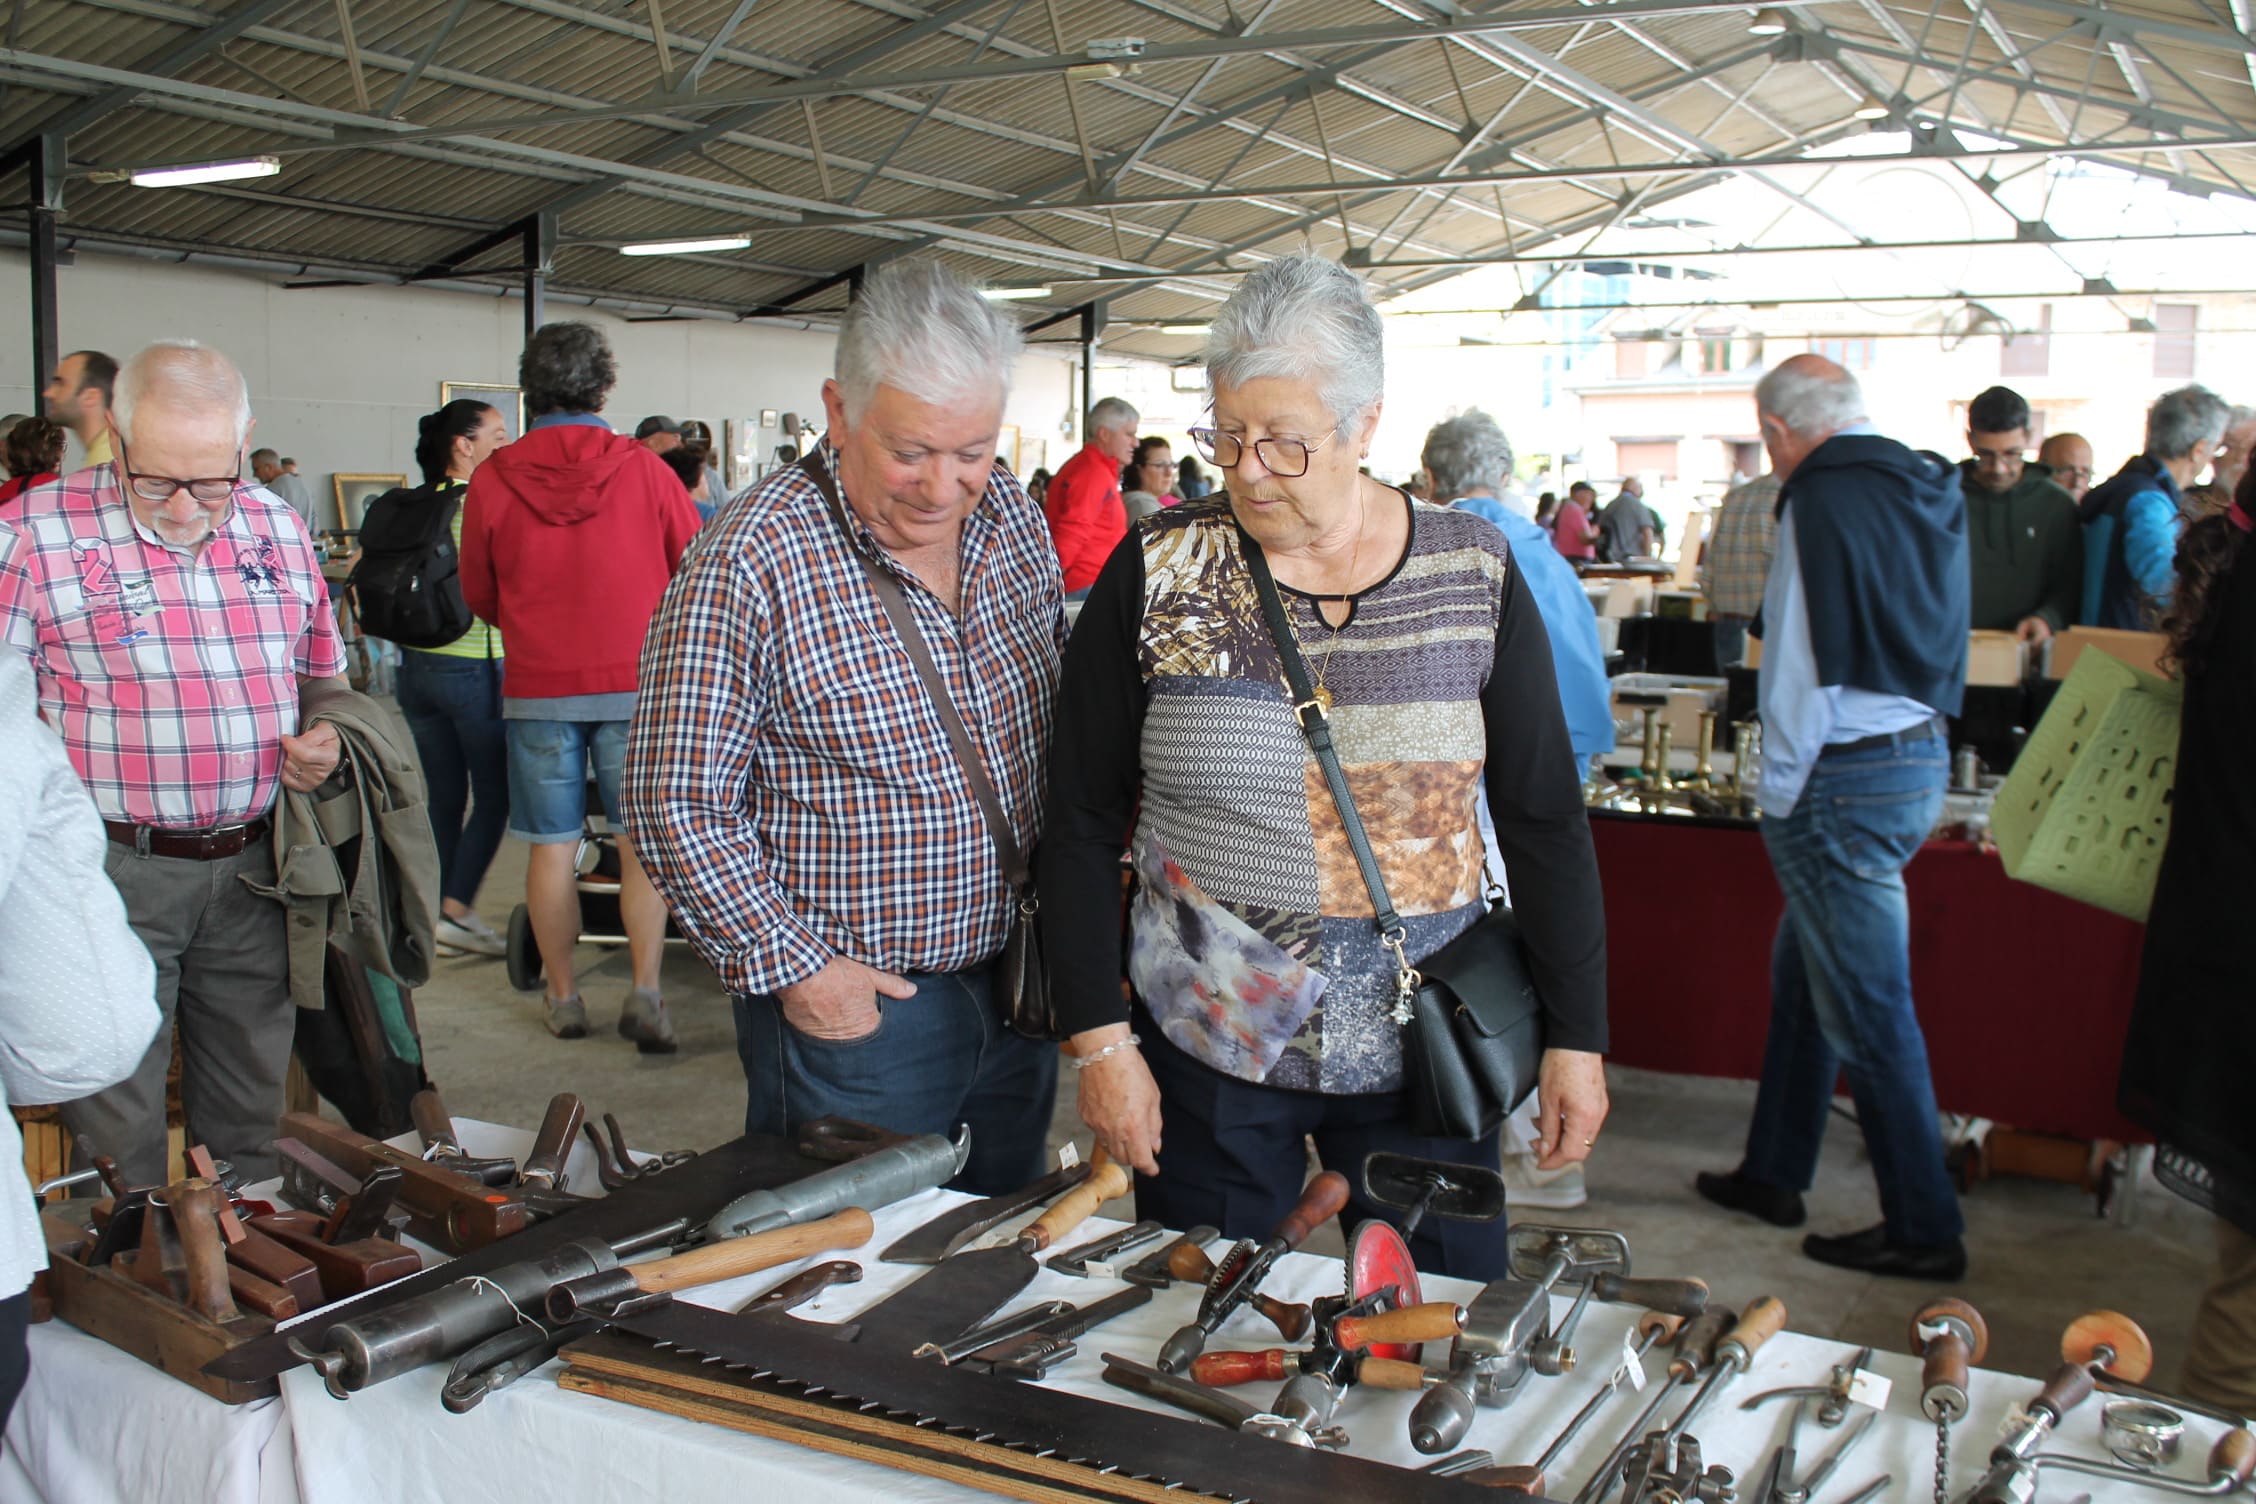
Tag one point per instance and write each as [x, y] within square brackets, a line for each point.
[548, 768]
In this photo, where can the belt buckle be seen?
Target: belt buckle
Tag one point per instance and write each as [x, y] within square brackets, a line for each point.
[141, 841]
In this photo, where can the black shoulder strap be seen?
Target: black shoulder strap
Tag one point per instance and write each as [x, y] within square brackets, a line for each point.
[1309, 711]
[903, 617]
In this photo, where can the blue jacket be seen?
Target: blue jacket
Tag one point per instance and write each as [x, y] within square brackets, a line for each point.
[2131, 527]
[1568, 618]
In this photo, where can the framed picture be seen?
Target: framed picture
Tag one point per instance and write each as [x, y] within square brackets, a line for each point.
[747, 446]
[1006, 447]
[509, 401]
[354, 492]
[769, 417]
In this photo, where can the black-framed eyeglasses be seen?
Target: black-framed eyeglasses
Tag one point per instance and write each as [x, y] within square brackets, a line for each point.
[1284, 458]
[159, 489]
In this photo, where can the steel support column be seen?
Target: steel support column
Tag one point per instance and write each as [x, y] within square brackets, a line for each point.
[540, 254]
[46, 162]
[1092, 325]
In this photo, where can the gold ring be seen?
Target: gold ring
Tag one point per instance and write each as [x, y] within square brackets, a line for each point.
[1590, 1143]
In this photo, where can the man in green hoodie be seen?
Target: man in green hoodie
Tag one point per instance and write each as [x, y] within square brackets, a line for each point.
[2024, 545]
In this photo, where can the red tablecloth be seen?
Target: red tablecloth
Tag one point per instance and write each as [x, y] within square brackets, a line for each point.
[2024, 995]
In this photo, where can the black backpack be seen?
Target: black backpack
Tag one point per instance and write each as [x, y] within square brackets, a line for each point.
[408, 581]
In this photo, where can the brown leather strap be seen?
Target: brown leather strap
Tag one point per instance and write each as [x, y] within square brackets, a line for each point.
[186, 845]
[903, 616]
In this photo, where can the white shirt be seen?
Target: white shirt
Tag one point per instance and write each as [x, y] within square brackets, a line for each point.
[78, 992]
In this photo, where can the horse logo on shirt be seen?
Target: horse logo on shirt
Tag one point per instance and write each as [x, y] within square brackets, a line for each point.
[261, 571]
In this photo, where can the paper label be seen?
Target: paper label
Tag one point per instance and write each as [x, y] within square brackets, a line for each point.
[1869, 1388]
[1069, 1155]
[1631, 1363]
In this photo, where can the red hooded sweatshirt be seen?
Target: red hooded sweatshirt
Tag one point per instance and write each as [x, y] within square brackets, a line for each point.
[569, 537]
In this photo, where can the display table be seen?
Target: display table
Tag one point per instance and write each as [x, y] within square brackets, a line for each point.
[2024, 996]
[97, 1425]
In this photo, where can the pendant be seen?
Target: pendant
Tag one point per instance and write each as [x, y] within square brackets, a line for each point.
[1323, 699]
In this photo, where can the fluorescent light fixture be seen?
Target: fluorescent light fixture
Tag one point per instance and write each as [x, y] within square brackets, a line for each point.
[1767, 23]
[1012, 294]
[1090, 73]
[686, 247]
[1871, 107]
[205, 172]
[1186, 328]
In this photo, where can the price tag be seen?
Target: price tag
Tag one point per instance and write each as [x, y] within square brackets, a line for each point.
[1631, 1363]
[1069, 1155]
[1869, 1388]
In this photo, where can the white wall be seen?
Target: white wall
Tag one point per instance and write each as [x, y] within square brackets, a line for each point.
[338, 376]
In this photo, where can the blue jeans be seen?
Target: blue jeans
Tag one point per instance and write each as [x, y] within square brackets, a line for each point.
[453, 706]
[935, 1060]
[1840, 985]
[1235, 1153]
[548, 771]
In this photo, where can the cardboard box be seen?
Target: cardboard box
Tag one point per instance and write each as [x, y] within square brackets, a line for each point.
[2141, 650]
[2086, 810]
[1996, 658]
[1627, 598]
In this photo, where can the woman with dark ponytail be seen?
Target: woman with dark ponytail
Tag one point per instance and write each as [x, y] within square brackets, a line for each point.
[2193, 1030]
[451, 697]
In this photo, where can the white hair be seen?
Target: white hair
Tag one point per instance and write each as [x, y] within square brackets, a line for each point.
[185, 376]
[2183, 421]
[919, 328]
[1112, 412]
[1466, 454]
[1303, 318]
[1810, 401]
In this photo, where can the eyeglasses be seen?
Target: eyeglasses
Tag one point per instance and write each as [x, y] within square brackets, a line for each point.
[1284, 458]
[159, 489]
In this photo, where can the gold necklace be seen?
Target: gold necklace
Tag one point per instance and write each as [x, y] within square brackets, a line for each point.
[1323, 696]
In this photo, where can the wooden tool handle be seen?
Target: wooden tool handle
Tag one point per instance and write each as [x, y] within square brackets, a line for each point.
[1764, 1318]
[2234, 1456]
[1516, 1479]
[1223, 1369]
[1292, 1322]
[714, 1262]
[1318, 1204]
[2069, 1386]
[111, 1175]
[1431, 1322]
[1944, 1375]
[1696, 1343]
[195, 1204]
[2112, 1341]
[427, 1110]
[1659, 1326]
[1188, 1262]
[1685, 1297]
[1391, 1373]
[557, 1130]
[1106, 1180]
[1949, 1309]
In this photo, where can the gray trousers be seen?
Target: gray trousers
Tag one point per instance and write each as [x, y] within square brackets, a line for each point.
[223, 974]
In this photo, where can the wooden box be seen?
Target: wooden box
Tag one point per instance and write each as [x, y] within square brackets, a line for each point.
[131, 1317]
[2141, 650]
[1998, 658]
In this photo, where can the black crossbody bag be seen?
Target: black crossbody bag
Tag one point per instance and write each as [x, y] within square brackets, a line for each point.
[1472, 1025]
[1021, 986]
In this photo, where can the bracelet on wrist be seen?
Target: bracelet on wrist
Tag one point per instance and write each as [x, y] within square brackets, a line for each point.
[1083, 1062]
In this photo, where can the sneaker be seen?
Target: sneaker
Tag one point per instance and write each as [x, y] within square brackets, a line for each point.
[642, 1018]
[1525, 1185]
[471, 935]
[566, 1017]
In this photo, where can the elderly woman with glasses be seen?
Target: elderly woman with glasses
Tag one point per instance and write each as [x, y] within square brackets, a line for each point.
[1261, 996]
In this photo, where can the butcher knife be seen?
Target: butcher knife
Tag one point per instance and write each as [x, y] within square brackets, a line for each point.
[947, 1233]
[961, 1291]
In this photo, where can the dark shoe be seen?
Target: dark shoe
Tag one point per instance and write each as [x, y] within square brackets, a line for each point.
[1870, 1252]
[642, 1018]
[1735, 1191]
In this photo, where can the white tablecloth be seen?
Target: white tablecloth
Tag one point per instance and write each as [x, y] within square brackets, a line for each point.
[96, 1425]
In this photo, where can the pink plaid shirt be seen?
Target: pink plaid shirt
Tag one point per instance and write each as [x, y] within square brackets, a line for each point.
[171, 677]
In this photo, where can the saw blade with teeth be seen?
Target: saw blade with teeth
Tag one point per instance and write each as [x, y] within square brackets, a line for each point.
[1169, 1451]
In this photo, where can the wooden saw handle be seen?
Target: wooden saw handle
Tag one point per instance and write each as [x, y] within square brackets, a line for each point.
[1106, 1181]
[1431, 1322]
[715, 1262]
[1223, 1369]
[195, 1205]
[1391, 1373]
[1318, 1204]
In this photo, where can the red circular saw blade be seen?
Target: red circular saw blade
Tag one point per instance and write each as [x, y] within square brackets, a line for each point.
[1376, 1258]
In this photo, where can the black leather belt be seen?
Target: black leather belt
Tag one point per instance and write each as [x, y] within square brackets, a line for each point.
[1932, 726]
[186, 845]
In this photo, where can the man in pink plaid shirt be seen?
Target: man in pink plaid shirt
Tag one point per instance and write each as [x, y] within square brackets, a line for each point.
[173, 612]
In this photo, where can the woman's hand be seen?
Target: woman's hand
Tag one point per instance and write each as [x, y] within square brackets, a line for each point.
[1570, 1106]
[1119, 1099]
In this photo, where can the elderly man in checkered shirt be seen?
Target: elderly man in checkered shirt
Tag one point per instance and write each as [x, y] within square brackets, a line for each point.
[173, 613]
[789, 783]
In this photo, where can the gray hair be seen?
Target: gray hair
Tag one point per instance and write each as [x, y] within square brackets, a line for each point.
[1112, 412]
[1302, 317]
[567, 368]
[2183, 421]
[265, 454]
[918, 327]
[182, 375]
[1466, 454]
[1810, 402]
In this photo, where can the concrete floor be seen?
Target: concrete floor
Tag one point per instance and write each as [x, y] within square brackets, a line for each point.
[2040, 1254]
